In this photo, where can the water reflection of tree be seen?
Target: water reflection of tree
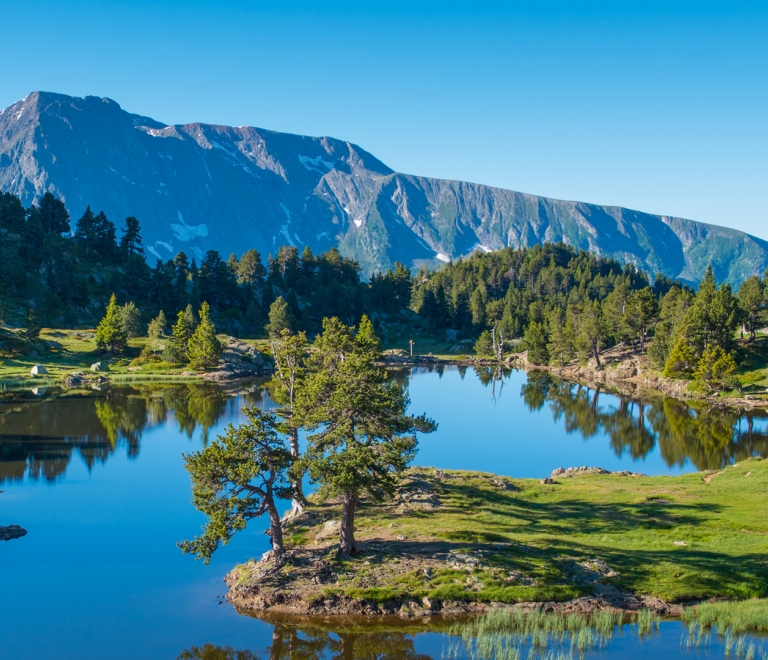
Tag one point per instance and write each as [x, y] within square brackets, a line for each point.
[295, 643]
[708, 437]
[39, 437]
[494, 376]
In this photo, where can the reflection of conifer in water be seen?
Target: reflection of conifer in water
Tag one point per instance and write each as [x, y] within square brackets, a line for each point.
[708, 438]
[627, 432]
[211, 652]
[122, 416]
[292, 643]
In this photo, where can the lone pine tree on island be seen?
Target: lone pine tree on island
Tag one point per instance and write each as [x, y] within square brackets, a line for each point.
[360, 439]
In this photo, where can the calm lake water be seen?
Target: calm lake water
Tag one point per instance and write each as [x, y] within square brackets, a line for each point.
[96, 478]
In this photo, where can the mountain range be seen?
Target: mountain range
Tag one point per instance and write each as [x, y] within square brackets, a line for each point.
[196, 187]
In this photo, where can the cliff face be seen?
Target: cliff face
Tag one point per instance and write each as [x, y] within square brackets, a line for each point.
[198, 187]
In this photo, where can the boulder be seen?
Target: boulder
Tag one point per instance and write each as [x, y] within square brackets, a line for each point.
[99, 366]
[73, 380]
[12, 532]
[38, 370]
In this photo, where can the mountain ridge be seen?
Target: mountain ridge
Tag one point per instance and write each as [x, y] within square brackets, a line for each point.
[198, 186]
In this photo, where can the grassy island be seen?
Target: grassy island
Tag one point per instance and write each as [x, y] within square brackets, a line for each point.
[453, 541]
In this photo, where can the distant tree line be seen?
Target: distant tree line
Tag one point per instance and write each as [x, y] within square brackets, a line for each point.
[567, 304]
[564, 303]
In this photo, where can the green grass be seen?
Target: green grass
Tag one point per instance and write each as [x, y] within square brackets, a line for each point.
[738, 617]
[513, 634]
[676, 538]
[65, 352]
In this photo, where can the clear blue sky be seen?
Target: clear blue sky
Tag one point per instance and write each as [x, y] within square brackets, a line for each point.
[658, 106]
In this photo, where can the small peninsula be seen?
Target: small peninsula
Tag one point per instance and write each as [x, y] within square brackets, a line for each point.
[452, 543]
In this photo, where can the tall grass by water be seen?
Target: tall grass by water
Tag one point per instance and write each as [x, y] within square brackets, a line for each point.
[731, 621]
[738, 616]
[513, 634]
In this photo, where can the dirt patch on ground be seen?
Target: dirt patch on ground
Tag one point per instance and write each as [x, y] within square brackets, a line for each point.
[708, 478]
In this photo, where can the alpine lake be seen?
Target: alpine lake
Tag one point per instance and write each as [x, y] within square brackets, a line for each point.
[97, 480]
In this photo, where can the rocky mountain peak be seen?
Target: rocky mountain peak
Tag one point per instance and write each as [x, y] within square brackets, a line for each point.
[197, 187]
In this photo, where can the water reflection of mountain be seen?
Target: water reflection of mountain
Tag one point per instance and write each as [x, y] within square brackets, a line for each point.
[38, 437]
[708, 437]
[294, 643]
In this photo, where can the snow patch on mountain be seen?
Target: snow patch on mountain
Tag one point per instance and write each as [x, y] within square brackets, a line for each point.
[316, 163]
[185, 232]
[284, 228]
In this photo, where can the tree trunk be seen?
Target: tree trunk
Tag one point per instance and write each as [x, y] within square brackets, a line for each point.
[298, 502]
[275, 530]
[596, 352]
[276, 649]
[347, 532]
[347, 647]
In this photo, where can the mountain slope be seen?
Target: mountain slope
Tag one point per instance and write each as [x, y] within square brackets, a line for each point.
[197, 187]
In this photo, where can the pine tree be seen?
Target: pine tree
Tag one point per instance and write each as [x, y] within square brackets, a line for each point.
[362, 437]
[712, 318]
[643, 314]
[536, 343]
[238, 477]
[250, 269]
[674, 307]
[289, 355]
[31, 329]
[162, 322]
[131, 243]
[177, 349]
[562, 335]
[131, 318]
[85, 231]
[753, 305]
[484, 344]
[280, 318]
[155, 330]
[681, 361]
[53, 214]
[104, 236]
[477, 304]
[592, 329]
[366, 338]
[716, 369]
[181, 268]
[110, 333]
[204, 346]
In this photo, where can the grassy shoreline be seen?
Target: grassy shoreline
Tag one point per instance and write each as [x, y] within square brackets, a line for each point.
[466, 538]
[65, 352]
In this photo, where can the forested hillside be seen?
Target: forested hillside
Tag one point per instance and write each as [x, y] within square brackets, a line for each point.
[563, 303]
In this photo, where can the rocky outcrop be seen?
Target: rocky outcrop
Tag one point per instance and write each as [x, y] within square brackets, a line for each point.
[12, 532]
[567, 473]
[196, 187]
[304, 586]
[238, 360]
